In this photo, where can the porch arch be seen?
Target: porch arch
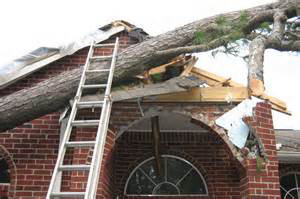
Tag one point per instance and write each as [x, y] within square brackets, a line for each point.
[5, 154]
[202, 120]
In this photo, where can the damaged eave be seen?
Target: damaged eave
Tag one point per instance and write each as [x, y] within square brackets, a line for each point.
[214, 80]
[220, 90]
[177, 84]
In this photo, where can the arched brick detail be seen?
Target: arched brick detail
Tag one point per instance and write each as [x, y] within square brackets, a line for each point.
[204, 118]
[5, 154]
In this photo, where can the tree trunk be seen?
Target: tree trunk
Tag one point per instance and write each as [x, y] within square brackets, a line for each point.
[54, 93]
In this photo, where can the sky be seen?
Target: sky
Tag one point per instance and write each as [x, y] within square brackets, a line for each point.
[27, 25]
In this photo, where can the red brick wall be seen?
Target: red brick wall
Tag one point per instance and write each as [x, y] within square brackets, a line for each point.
[204, 150]
[34, 148]
[34, 145]
[4, 190]
[262, 182]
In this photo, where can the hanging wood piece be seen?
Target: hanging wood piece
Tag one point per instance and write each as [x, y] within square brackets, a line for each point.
[156, 144]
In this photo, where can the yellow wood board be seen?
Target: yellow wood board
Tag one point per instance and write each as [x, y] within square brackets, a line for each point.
[212, 79]
[210, 94]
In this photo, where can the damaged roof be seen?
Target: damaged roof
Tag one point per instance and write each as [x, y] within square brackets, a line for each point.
[288, 145]
[40, 57]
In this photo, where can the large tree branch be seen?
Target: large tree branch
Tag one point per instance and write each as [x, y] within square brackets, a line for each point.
[52, 94]
[256, 53]
[196, 48]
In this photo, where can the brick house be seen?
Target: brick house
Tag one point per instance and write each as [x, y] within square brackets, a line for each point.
[197, 156]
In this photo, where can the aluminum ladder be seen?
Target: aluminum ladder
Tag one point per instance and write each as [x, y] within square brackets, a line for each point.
[95, 166]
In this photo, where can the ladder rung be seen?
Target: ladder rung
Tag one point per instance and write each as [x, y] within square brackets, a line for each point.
[85, 123]
[90, 104]
[80, 144]
[97, 71]
[67, 194]
[101, 57]
[104, 45]
[79, 167]
[94, 86]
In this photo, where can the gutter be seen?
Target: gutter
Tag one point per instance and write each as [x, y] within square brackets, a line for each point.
[288, 156]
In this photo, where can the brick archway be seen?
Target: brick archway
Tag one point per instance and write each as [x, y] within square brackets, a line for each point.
[5, 154]
[202, 119]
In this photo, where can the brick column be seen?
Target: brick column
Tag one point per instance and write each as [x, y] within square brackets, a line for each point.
[106, 181]
[261, 178]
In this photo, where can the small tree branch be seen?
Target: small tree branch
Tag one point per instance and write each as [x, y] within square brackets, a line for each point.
[290, 45]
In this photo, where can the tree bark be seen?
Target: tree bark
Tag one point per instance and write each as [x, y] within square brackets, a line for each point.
[256, 53]
[54, 93]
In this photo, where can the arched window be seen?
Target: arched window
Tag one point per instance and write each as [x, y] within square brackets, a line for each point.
[4, 171]
[178, 179]
[290, 186]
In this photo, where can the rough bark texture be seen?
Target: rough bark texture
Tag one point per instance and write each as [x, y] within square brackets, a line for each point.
[256, 53]
[50, 95]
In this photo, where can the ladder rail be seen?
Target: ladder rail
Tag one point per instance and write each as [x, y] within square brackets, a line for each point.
[95, 167]
[101, 132]
[67, 134]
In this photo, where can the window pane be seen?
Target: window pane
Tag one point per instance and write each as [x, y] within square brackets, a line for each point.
[288, 182]
[149, 169]
[165, 189]
[292, 194]
[179, 178]
[176, 169]
[139, 184]
[4, 173]
[192, 184]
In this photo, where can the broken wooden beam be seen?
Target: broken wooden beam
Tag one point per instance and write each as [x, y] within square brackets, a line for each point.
[156, 144]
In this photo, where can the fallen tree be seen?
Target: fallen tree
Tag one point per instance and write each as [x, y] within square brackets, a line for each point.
[199, 36]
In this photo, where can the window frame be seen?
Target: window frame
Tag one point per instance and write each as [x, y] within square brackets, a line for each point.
[165, 156]
[297, 183]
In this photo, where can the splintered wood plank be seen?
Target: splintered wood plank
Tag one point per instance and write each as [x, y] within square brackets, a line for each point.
[210, 94]
[256, 87]
[162, 68]
[277, 104]
[189, 66]
[212, 79]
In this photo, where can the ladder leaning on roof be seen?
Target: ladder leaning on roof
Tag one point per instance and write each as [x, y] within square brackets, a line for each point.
[95, 166]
